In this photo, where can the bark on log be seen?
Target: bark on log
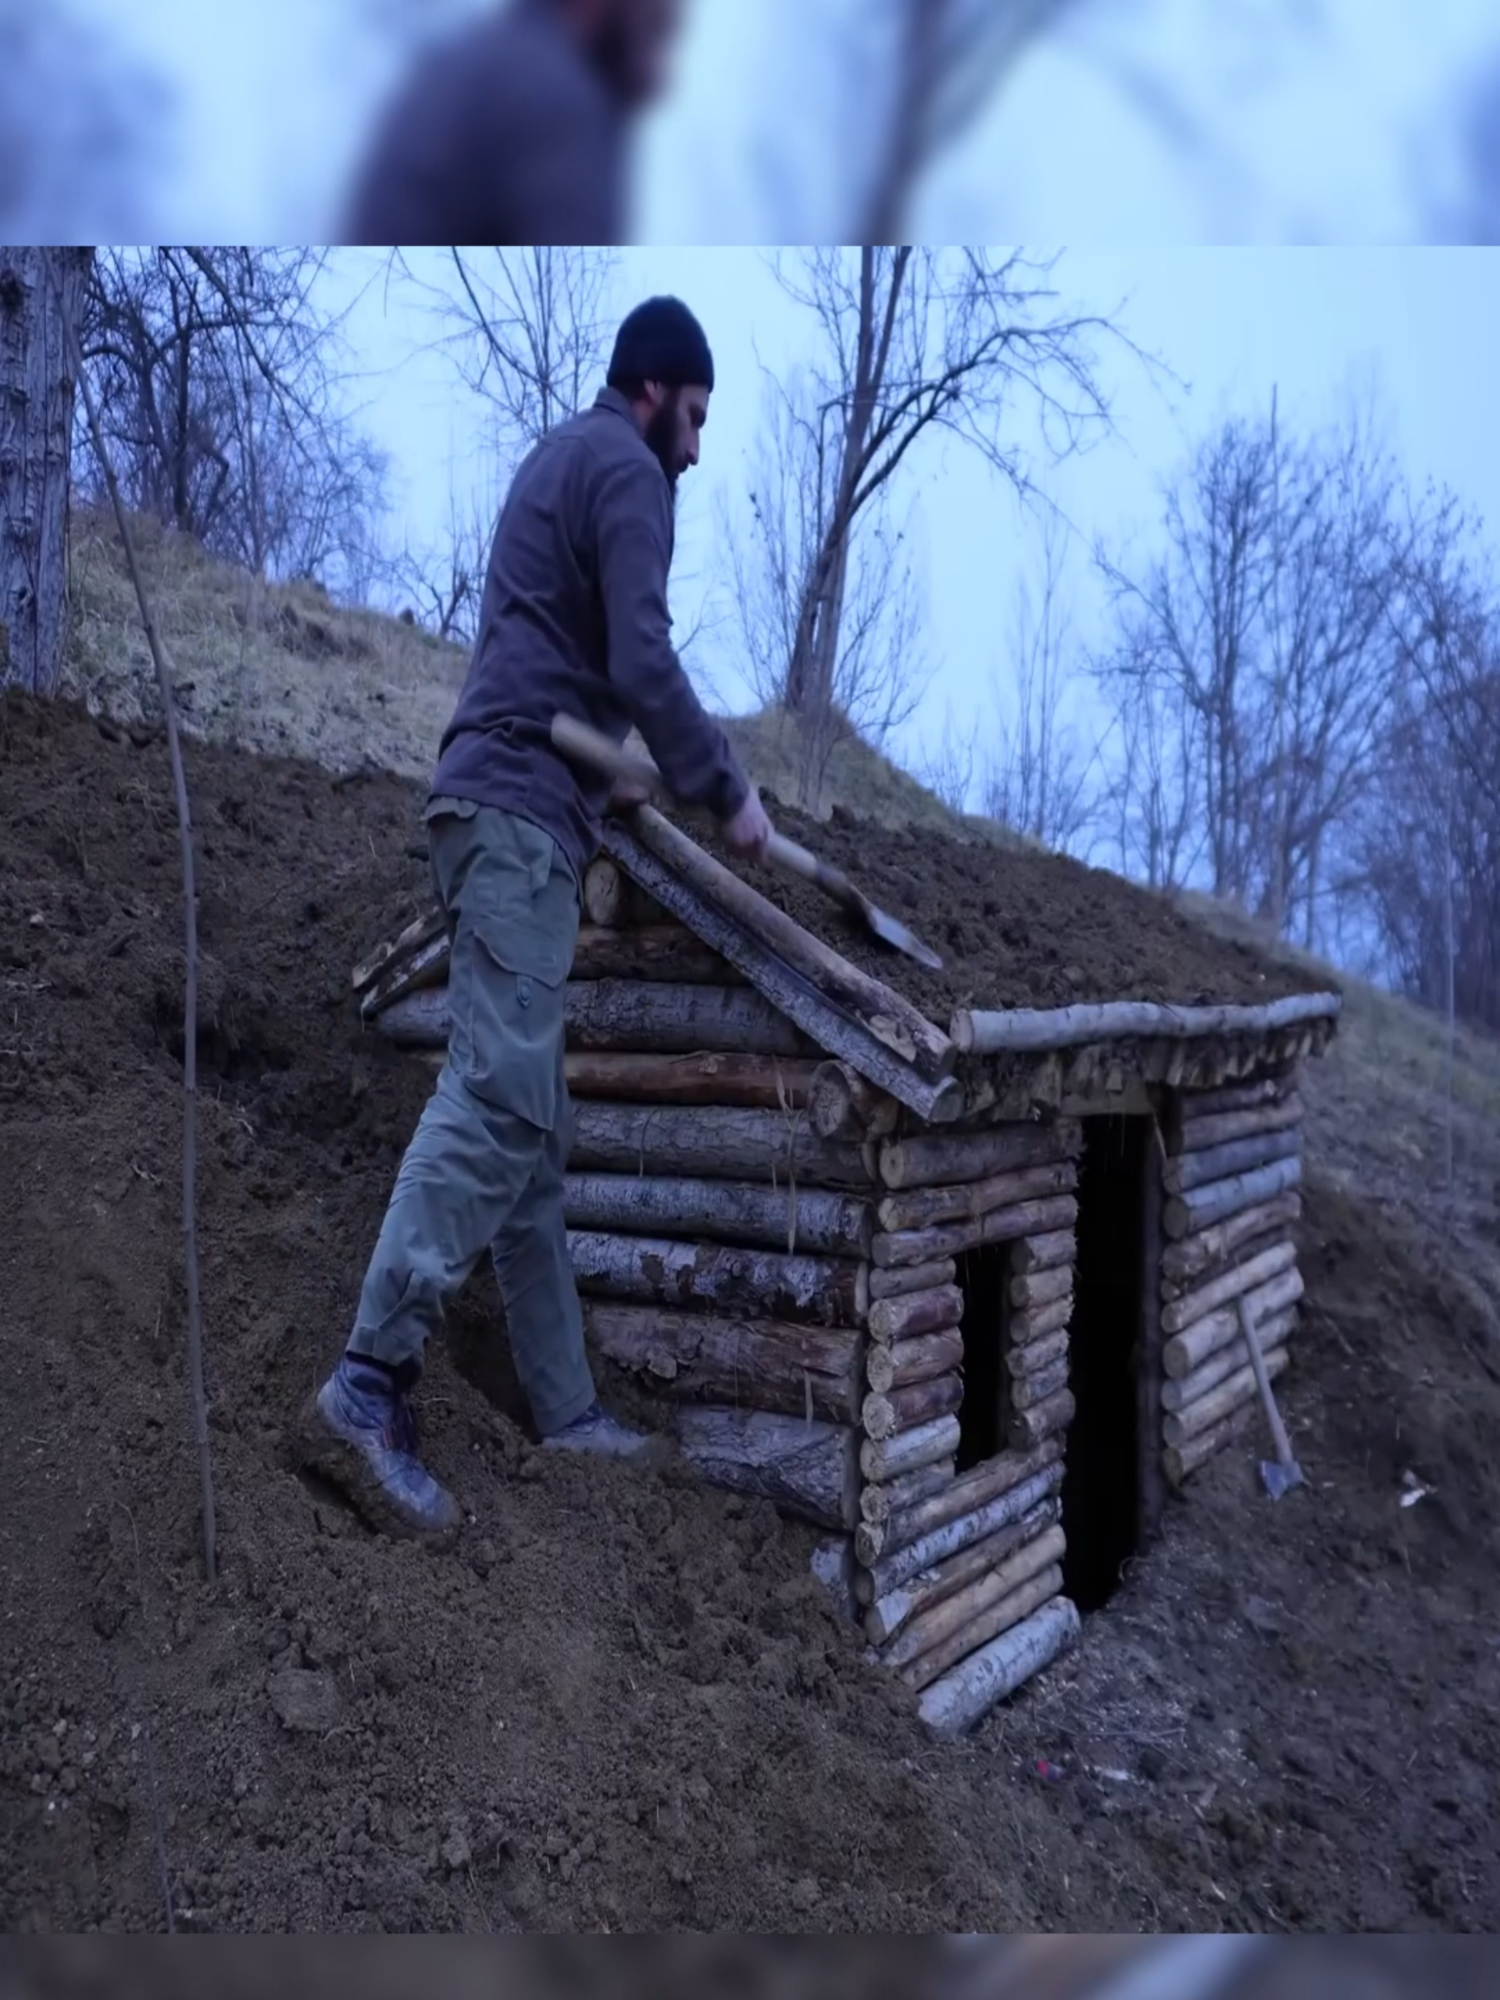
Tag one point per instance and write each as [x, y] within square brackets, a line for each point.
[1038, 1355]
[979, 1033]
[880, 1460]
[1273, 1332]
[1179, 1461]
[1179, 1427]
[1043, 1253]
[1190, 1307]
[972, 1490]
[751, 1083]
[1185, 1351]
[645, 1270]
[891, 1562]
[918, 1312]
[921, 1246]
[843, 1105]
[808, 1470]
[944, 1159]
[1185, 1214]
[1202, 1254]
[918, 1360]
[667, 953]
[900, 1283]
[1027, 1392]
[888, 1017]
[1042, 1288]
[1199, 1135]
[908, 1409]
[412, 972]
[941, 1622]
[878, 1503]
[711, 1144]
[923, 1208]
[990, 1623]
[432, 923]
[886, 1616]
[1041, 1322]
[745, 1364]
[645, 1015]
[987, 1677]
[1196, 1104]
[1222, 1163]
[1028, 1427]
[791, 1219]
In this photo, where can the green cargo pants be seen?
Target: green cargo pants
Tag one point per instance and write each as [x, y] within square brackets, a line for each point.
[484, 1170]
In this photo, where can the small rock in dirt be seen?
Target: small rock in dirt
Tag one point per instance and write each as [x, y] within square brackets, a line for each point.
[806, 1895]
[457, 1853]
[304, 1700]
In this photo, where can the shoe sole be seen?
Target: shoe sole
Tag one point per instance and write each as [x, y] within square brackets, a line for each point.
[325, 1452]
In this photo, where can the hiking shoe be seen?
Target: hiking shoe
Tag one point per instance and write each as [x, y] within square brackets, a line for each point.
[367, 1435]
[597, 1432]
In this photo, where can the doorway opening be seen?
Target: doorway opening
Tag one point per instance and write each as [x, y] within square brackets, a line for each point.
[1101, 1495]
[982, 1278]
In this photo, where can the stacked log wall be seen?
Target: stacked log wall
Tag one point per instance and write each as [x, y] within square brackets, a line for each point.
[1230, 1204]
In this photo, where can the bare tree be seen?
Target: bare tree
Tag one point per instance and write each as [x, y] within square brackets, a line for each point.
[446, 579]
[37, 387]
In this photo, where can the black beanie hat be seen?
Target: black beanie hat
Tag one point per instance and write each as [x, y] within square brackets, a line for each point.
[661, 342]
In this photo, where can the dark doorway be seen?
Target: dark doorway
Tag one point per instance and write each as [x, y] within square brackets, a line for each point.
[1101, 1488]
[982, 1276]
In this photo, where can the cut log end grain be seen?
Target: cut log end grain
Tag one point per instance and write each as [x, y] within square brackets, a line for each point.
[916, 1313]
[1028, 1427]
[882, 1459]
[917, 1360]
[878, 1503]
[885, 1416]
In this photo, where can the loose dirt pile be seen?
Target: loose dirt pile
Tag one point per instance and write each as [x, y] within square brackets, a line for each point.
[1014, 927]
[620, 1701]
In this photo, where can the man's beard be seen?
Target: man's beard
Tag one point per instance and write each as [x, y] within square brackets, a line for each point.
[661, 436]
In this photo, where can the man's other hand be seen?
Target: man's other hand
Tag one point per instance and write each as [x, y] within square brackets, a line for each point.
[625, 795]
[748, 834]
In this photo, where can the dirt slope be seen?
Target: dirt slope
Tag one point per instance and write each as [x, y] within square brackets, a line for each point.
[621, 1701]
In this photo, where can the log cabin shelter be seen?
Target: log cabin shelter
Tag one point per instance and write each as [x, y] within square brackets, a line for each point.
[971, 1294]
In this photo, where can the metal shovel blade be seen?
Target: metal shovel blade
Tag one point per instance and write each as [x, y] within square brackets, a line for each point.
[1279, 1479]
[890, 930]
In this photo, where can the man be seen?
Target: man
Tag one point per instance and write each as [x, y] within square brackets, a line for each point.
[574, 620]
[516, 130]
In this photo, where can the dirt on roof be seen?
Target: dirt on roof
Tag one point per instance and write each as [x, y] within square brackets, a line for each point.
[1014, 928]
[620, 1700]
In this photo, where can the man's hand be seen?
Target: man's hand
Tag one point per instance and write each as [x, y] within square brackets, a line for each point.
[748, 834]
[626, 794]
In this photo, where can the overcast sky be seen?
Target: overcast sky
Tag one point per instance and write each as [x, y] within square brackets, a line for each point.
[1418, 325]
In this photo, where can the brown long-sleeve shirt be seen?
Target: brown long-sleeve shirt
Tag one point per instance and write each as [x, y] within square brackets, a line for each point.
[504, 134]
[574, 620]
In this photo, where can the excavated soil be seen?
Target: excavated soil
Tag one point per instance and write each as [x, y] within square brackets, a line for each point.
[1014, 927]
[619, 1701]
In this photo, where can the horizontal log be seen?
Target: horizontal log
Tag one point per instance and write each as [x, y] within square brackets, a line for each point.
[1199, 1207]
[922, 1208]
[1274, 1331]
[1222, 1163]
[882, 1459]
[943, 1159]
[657, 1271]
[432, 923]
[1043, 1253]
[972, 1490]
[967, 1693]
[413, 972]
[1179, 1426]
[1195, 1104]
[1184, 1351]
[803, 1220]
[703, 1143]
[901, 1282]
[665, 953]
[810, 1470]
[757, 1083]
[1042, 1288]
[1204, 1253]
[1011, 1610]
[1200, 1135]
[886, 1616]
[1036, 1356]
[918, 1312]
[922, 1246]
[939, 1623]
[1180, 1461]
[746, 1364]
[1034, 1323]
[1028, 1391]
[844, 1105]
[976, 1033]
[1190, 1307]
[885, 1416]
[1028, 1427]
[918, 1360]
[640, 1015]
[878, 1503]
[889, 1563]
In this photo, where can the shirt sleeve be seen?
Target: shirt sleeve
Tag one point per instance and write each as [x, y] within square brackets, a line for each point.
[634, 552]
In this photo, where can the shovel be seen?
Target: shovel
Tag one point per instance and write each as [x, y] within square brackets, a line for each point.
[586, 746]
[1282, 1474]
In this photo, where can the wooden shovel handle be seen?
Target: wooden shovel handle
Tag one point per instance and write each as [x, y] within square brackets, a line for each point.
[786, 854]
[612, 760]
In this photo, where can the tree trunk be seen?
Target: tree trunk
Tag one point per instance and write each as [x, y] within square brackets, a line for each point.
[789, 1219]
[750, 1083]
[654, 1271]
[36, 425]
[745, 1364]
[711, 1144]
